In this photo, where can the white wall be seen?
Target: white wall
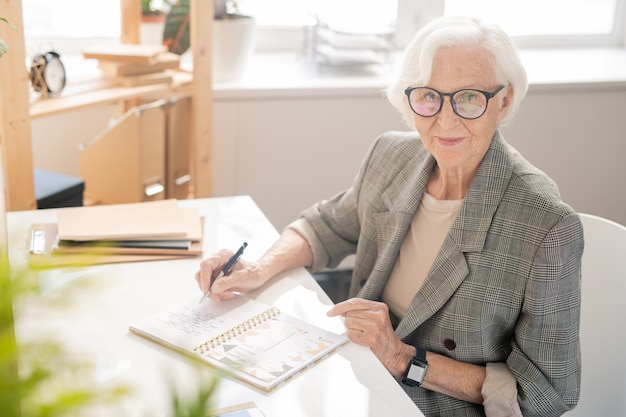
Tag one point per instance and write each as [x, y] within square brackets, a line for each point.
[289, 151]
[313, 150]
[579, 139]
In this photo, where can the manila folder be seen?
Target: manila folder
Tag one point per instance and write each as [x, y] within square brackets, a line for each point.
[161, 219]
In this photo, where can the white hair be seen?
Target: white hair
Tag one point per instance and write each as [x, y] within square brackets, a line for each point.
[454, 31]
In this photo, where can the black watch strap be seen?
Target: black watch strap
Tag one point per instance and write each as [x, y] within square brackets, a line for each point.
[416, 371]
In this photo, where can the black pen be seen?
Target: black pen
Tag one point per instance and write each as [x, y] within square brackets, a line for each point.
[231, 262]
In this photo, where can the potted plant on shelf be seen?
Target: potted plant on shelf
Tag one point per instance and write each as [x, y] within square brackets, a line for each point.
[153, 20]
[149, 12]
[233, 36]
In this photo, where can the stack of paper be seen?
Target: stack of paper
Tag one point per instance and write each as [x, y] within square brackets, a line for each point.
[353, 45]
[134, 65]
[118, 233]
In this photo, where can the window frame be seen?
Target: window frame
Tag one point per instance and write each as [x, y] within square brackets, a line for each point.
[411, 15]
[617, 38]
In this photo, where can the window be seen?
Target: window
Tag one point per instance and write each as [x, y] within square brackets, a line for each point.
[553, 22]
[44, 18]
[298, 13]
[531, 22]
[54, 24]
[280, 22]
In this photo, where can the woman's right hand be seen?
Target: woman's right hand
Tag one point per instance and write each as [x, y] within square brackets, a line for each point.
[244, 276]
[290, 251]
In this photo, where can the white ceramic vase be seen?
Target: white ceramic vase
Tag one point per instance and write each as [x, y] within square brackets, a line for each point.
[233, 43]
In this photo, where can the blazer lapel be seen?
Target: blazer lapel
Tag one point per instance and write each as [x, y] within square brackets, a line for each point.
[467, 234]
[391, 226]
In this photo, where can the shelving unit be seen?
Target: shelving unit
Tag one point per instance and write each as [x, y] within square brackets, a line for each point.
[16, 111]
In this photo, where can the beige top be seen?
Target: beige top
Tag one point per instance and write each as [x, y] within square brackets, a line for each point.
[421, 244]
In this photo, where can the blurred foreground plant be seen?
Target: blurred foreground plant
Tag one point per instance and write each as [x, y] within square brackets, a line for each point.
[4, 48]
[42, 379]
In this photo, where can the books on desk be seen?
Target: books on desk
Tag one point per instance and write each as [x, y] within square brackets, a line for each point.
[117, 233]
[248, 339]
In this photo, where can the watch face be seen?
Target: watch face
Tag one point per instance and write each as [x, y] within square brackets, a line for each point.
[416, 373]
[54, 75]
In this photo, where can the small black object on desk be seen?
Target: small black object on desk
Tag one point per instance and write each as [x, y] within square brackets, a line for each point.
[54, 190]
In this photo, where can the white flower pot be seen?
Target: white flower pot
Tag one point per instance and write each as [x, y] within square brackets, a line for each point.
[151, 29]
[233, 43]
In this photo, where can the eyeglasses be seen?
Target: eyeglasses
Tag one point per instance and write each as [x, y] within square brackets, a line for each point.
[468, 104]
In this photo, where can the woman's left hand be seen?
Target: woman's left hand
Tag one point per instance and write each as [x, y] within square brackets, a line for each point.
[368, 324]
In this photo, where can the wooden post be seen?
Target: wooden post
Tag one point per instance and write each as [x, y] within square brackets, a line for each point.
[202, 102]
[15, 129]
[131, 19]
[130, 11]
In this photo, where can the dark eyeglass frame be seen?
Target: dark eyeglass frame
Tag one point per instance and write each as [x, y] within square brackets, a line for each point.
[488, 96]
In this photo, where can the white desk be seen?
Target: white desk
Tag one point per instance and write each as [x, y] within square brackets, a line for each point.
[350, 382]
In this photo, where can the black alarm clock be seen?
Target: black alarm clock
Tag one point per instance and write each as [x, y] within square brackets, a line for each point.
[47, 73]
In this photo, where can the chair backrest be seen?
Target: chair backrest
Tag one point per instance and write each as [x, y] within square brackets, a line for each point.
[603, 333]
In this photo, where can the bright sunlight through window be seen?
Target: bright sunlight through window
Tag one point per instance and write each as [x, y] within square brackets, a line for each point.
[541, 17]
[51, 21]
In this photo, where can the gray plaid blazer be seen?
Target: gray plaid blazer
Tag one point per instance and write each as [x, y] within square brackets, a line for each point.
[505, 285]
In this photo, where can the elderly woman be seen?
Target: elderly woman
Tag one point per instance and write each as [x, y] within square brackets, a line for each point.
[466, 281]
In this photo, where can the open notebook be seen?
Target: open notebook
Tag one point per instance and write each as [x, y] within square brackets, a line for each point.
[248, 339]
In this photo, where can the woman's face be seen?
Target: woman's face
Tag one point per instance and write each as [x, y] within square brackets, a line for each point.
[457, 143]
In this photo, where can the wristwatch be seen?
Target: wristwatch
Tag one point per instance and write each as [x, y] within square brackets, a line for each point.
[416, 371]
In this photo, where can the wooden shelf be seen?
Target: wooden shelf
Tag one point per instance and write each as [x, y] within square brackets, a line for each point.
[42, 107]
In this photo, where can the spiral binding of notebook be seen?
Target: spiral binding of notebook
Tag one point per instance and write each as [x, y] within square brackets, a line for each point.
[237, 330]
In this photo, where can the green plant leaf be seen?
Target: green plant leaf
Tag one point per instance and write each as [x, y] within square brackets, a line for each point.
[176, 31]
[4, 19]
[4, 48]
